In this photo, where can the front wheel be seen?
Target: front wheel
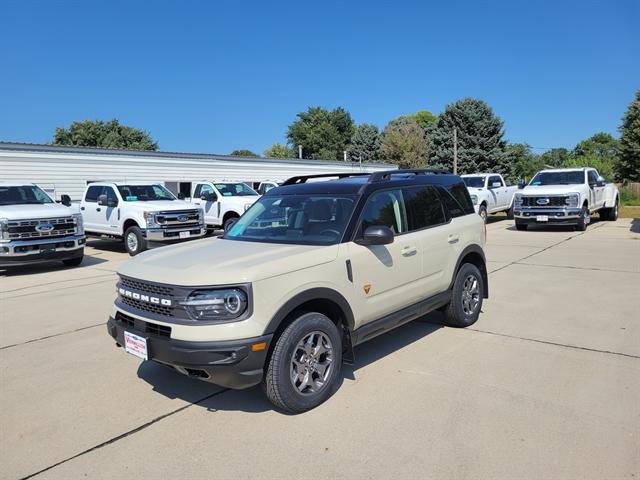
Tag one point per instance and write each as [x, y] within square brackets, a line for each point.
[305, 364]
[482, 211]
[466, 297]
[521, 226]
[134, 241]
[584, 219]
[228, 223]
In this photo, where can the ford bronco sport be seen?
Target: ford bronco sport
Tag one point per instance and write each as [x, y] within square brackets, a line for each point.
[312, 269]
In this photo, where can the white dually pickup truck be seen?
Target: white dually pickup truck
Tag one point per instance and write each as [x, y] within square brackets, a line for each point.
[223, 202]
[139, 213]
[566, 196]
[490, 193]
[34, 228]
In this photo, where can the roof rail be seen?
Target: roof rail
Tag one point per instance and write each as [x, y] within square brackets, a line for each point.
[303, 178]
[386, 175]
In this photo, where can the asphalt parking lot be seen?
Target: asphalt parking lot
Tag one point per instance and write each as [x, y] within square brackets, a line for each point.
[545, 385]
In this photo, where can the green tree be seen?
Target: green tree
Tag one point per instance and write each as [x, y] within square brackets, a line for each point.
[403, 143]
[600, 151]
[98, 133]
[278, 150]
[481, 146]
[243, 153]
[555, 158]
[524, 163]
[323, 134]
[628, 167]
[366, 144]
[425, 118]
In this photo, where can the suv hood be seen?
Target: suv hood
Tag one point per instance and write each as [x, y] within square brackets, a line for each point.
[551, 190]
[215, 261]
[160, 205]
[27, 211]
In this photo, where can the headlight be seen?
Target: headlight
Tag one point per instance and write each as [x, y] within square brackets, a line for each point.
[223, 304]
[474, 199]
[200, 215]
[4, 230]
[247, 206]
[517, 200]
[77, 218]
[572, 200]
[150, 217]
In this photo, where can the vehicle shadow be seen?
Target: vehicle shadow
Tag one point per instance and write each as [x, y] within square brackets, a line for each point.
[555, 228]
[635, 225]
[106, 244]
[54, 265]
[175, 385]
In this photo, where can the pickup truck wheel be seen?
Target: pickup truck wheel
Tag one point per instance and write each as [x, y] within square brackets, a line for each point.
[610, 214]
[510, 214]
[134, 242]
[482, 211]
[466, 297]
[584, 219]
[73, 262]
[228, 222]
[521, 226]
[305, 364]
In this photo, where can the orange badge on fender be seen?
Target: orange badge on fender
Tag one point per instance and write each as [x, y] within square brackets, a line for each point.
[366, 287]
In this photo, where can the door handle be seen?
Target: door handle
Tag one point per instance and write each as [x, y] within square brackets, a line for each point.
[453, 239]
[98, 209]
[81, 208]
[196, 203]
[408, 251]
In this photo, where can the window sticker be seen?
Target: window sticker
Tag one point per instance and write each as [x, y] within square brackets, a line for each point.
[132, 198]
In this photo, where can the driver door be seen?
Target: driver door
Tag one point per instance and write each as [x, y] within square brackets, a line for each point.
[211, 209]
[385, 277]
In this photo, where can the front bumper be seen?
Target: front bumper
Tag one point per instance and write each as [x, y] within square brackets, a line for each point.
[230, 364]
[171, 234]
[24, 252]
[562, 216]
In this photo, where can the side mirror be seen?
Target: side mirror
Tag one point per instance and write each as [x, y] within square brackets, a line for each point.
[600, 182]
[181, 196]
[102, 200]
[112, 202]
[521, 183]
[65, 200]
[230, 223]
[376, 235]
[209, 197]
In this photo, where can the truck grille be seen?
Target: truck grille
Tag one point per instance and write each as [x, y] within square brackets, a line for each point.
[146, 296]
[181, 218]
[147, 307]
[552, 201]
[145, 287]
[33, 228]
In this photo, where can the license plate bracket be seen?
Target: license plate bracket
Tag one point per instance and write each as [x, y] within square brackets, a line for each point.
[185, 234]
[136, 345]
[542, 218]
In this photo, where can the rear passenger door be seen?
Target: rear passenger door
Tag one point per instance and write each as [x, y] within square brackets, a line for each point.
[429, 220]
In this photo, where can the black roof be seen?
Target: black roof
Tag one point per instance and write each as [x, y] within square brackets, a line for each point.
[359, 183]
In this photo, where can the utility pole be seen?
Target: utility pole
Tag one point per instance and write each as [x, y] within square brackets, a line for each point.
[455, 150]
[345, 155]
[300, 151]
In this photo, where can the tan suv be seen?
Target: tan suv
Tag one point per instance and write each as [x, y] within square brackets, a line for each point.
[312, 269]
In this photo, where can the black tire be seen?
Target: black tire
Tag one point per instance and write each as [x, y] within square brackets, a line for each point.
[581, 226]
[510, 213]
[459, 313]
[482, 211]
[73, 262]
[229, 221]
[610, 214]
[134, 247]
[521, 226]
[278, 383]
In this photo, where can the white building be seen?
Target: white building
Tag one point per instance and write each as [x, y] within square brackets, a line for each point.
[67, 170]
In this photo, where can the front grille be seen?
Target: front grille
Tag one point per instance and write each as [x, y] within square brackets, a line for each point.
[147, 306]
[181, 218]
[26, 229]
[553, 201]
[145, 287]
[142, 326]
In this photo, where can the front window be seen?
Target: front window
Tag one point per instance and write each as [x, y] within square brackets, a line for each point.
[235, 189]
[22, 195]
[575, 177]
[295, 219]
[144, 193]
[474, 182]
[385, 208]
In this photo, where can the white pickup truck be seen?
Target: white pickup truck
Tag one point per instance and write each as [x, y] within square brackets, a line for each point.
[34, 228]
[223, 202]
[139, 213]
[566, 196]
[490, 193]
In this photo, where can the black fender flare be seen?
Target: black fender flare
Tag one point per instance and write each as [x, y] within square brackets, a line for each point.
[319, 293]
[477, 249]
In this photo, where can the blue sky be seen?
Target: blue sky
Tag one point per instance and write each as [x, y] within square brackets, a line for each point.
[216, 76]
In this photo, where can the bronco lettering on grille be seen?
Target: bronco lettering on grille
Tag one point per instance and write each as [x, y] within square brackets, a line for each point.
[144, 298]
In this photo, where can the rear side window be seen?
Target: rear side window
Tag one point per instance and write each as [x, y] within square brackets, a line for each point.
[450, 203]
[424, 208]
[93, 193]
[459, 192]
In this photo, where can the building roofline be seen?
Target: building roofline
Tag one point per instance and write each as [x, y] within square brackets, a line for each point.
[38, 147]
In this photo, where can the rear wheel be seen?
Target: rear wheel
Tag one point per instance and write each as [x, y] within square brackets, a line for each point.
[610, 214]
[520, 226]
[584, 219]
[305, 364]
[466, 297]
[134, 242]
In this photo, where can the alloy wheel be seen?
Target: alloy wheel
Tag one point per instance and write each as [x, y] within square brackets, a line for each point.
[470, 295]
[311, 363]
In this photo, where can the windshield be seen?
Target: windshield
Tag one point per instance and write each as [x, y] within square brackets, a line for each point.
[574, 177]
[144, 193]
[23, 194]
[296, 219]
[474, 182]
[235, 189]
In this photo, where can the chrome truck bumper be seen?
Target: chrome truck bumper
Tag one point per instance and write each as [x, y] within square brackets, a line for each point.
[172, 234]
[22, 252]
[552, 214]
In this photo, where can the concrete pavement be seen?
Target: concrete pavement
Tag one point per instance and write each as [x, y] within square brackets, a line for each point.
[544, 385]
